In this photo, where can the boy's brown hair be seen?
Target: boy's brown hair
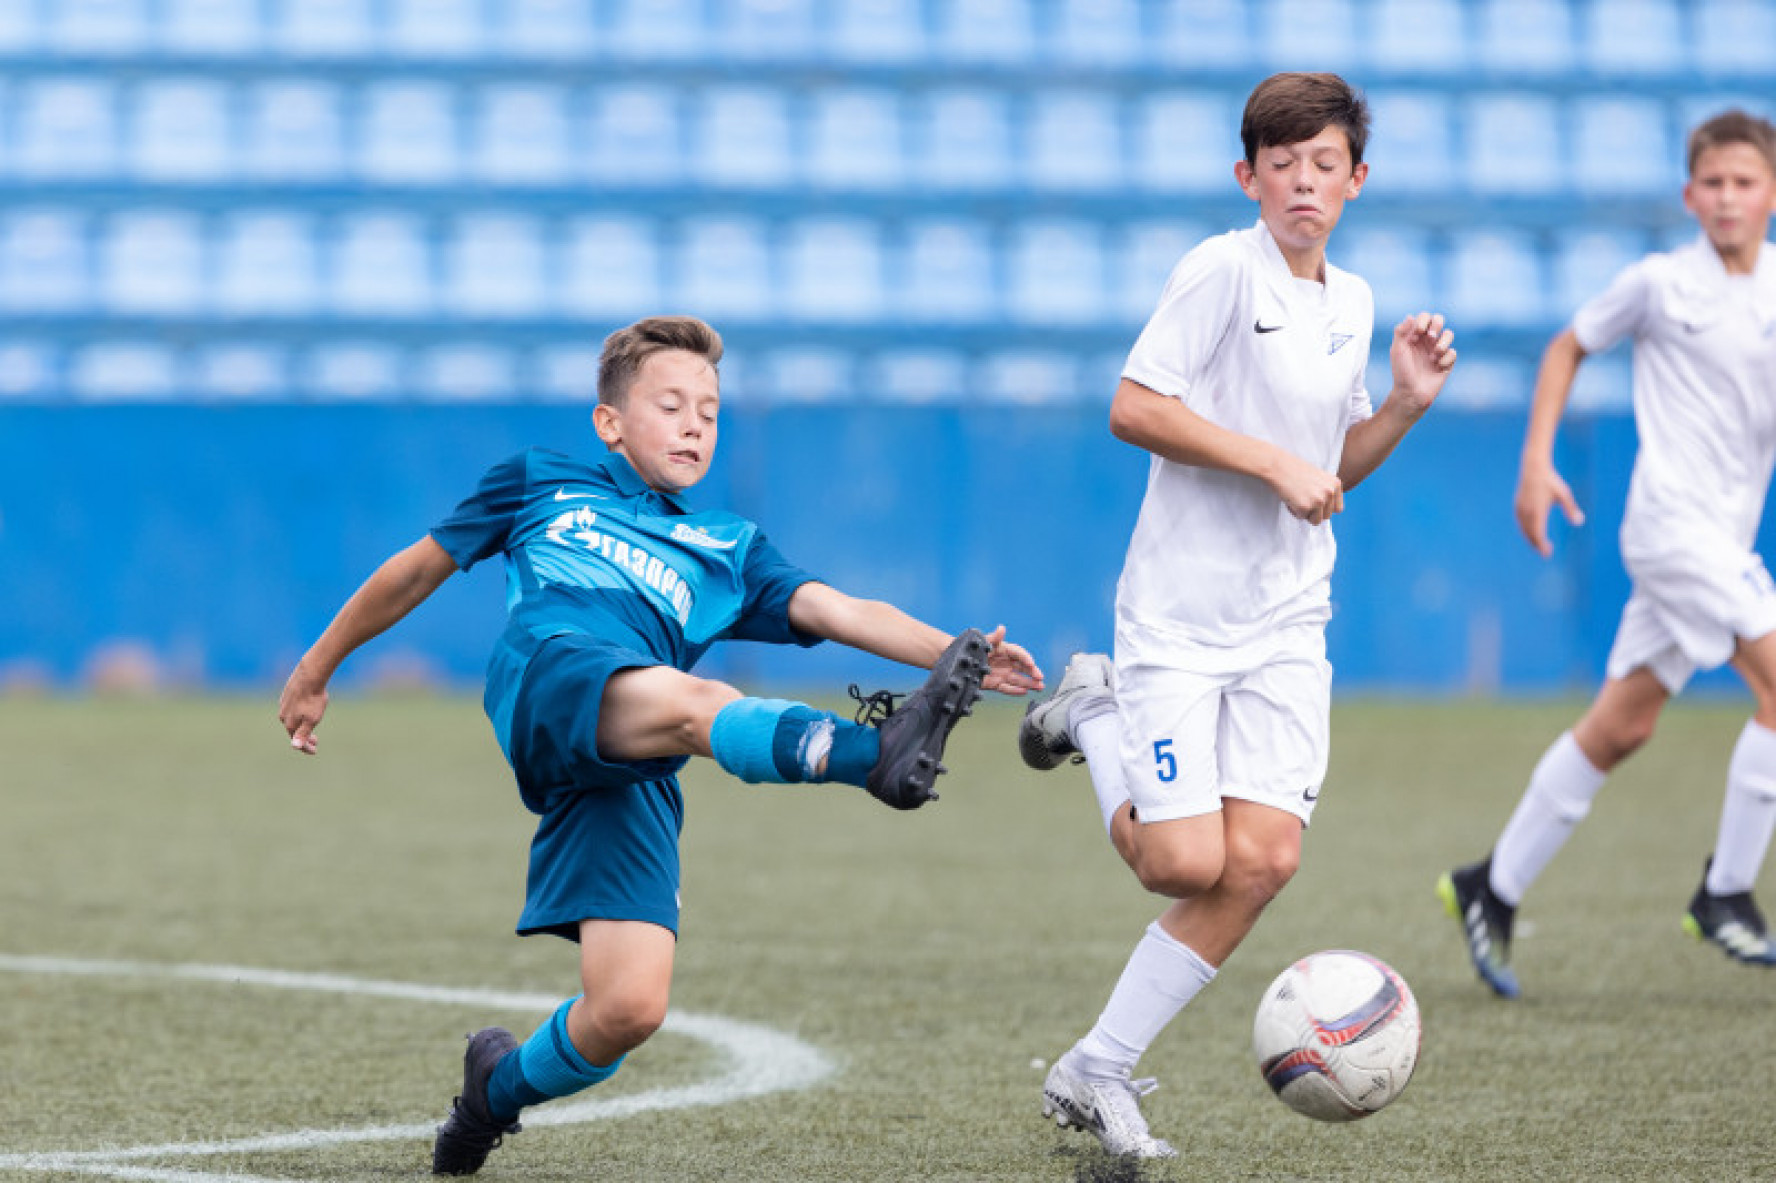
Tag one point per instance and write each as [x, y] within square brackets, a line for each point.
[627, 349]
[1290, 108]
[1734, 127]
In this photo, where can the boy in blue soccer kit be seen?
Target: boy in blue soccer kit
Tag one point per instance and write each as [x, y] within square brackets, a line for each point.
[614, 589]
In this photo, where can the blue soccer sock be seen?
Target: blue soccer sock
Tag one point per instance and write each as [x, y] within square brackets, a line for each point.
[774, 740]
[546, 1065]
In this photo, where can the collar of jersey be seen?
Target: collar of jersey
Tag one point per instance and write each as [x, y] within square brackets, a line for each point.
[622, 474]
[1272, 254]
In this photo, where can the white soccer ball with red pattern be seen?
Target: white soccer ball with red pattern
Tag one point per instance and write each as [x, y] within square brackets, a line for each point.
[1337, 1035]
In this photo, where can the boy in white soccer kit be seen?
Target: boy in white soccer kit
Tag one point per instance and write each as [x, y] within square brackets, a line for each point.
[1703, 322]
[1207, 743]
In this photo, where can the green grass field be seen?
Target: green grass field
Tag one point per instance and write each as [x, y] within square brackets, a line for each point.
[935, 959]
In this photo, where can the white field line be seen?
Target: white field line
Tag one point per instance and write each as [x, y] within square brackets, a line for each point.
[759, 1061]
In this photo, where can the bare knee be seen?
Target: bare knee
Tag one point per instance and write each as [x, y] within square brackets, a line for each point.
[624, 1018]
[1177, 872]
[702, 703]
[1257, 874]
[1607, 741]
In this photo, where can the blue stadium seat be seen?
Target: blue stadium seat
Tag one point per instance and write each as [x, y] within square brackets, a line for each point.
[1097, 33]
[522, 136]
[743, 138]
[724, 269]
[545, 29]
[1427, 35]
[409, 133]
[267, 265]
[947, 273]
[883, 31]
[466, 373]
[125, 371]
[1624, 146]
[1186, 142]
[151, 262]
[1198, 33]
[44, 266]
[496, 266]
[1056, 273]
[1735, 36]
[1525, 36]
[635, 137]
[323, 28]
[294, 131]
[381, 266]
[658, 29]
[918, 376]
[20, 30]
[566, 373]
[855, 139]
[82, 28]
[1411, 144]
[449, 29]
[220, 28]
[811, 374]
[1478, 383]
[65, 128]
[181, 132]
[1695, 109]
[1396, 263]
[833, 271]
[965, 139]
[1495, 278]
[1001, 32]
[1635, 37]
[1514, 144]
[611, 269]
[760, 30]
[29, 371]
[1145, 256]
[1587, 262]
[1031, 377]
[1309, 34]
[1074, 141]
[1604, 383]
[240, 372]
[355, 371]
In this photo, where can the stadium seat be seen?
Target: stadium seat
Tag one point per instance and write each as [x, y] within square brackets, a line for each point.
[855, 140]
[918, 376]
[495, 266]
[1030, 377]
[293, 132]
[123, 371]
[743, 138]
[965, 139]
[323, 28]
[1411, 148]
[1495, 278]
[266, 265]
[635, 137]
[354, 371]
[1308, 34]
[1418, 35]
[381, 266]
[657, 29]
[522, 136]
[29, 372]
[1056, 273]
[1525, 36]
[151, 262]
[1204, 33]
[766, 30]
[833, 271]
[561, 29]
[210, 28]
[1186, 142]
[566, 373]
[465, 373]
[723, 269]
[240, 372]
[998, 32]
[1735, 36]
[1097, 33]
[1623, 146]
[1514, 144]
[409, 133]
[1146, 253]
[1634, 37]
[66, 128]
[1396, 263]
[85, 28]
[947, 273]
[1605, 383]
[181, 132]
[880, 31]
[449, 29]
[1477, 384]
[1587, 262]
[20, 30]
[1074, 141]
[811, 374]
[610, 268]
[44, 265]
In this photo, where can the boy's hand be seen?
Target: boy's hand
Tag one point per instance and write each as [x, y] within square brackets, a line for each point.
[1539, 489]
[1422, 355]
[300, 708]
[1010, 670]
[1308, 491]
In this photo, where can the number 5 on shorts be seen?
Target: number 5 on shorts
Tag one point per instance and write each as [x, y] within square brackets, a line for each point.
[1164, 762]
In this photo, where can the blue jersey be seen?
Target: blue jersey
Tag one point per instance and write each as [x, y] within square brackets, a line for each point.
[591, 549]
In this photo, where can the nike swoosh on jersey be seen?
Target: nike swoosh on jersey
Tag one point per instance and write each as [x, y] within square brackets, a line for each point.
[1258, 326]
[562, 494]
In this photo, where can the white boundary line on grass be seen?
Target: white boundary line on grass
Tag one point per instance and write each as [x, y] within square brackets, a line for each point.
[760, 1061]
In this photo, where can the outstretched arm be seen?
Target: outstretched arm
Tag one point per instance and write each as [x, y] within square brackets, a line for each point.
[880, 628]
[1422, 354]
[399, 586]
[1539, 485]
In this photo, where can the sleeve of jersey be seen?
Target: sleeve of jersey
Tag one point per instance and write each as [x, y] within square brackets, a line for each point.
[1619, 311]
[479, 526]
[770, 581]
[1192, 318]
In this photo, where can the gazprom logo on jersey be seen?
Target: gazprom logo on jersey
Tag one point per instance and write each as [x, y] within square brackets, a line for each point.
[649, 569]
[699, 537]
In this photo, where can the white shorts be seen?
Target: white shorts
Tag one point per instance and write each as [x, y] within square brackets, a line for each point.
[1200, 724]
[1688, 608]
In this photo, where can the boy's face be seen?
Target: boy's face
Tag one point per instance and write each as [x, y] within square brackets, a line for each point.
[667, 425]
[1732, 192]
[1301, 188]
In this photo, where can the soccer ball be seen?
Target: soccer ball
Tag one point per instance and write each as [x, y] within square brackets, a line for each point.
[1337, 1035]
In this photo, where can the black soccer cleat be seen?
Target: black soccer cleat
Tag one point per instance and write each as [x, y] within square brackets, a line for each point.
[1467, 895]
[471, 1131]
[913, 734]
[1731, 921]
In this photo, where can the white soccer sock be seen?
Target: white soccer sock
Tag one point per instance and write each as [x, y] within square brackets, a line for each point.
[1100, 739]
[1161, 976]
[1748, 818]
[1558, 798]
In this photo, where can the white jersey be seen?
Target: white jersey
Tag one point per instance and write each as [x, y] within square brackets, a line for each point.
[1216, 558]
[1704, 393]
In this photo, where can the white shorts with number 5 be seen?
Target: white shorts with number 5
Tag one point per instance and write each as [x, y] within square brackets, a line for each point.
[1202, 724]
[1692, 600]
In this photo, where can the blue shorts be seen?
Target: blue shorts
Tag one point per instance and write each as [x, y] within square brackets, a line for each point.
[606, 847]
